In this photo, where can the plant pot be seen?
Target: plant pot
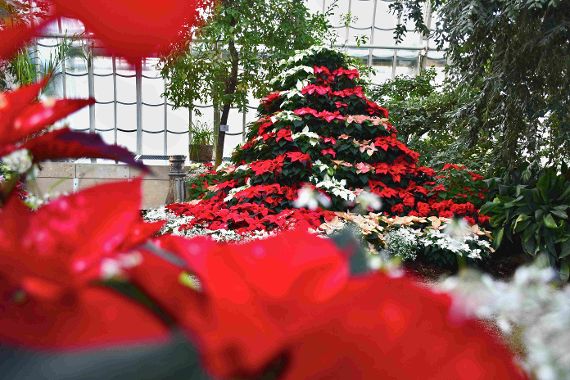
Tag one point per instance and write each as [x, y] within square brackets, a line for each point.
[200, 153]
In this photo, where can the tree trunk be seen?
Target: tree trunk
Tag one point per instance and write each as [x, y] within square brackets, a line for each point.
[216, 127]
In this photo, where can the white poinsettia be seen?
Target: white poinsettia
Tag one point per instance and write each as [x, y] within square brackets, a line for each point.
[291, 94]
[530, 308]
[311, 199]
[368, 201]
[306, 133]
[403, 243]
[280, 79]
[335, 187]
[284, 115]
[320, 166]
[19, 161]
[291, 97]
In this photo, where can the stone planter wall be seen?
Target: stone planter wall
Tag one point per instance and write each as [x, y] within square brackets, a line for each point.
[66, 177]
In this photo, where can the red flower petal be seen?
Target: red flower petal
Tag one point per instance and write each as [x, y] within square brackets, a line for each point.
[65, 143]
[382, 327]
[70, 235]
[41, 115]
[133, 29]
[13, 104]
[15, 37]
[92, 317]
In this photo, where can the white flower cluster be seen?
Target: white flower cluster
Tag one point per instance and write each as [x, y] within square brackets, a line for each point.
[19, 161]
[302, 54]
[196, 168]
[334, 187]
[321, 167]
[306, 133]
[226, 235]
[460, 245]
[368, 201]
[174, 222]
[280, 79]
[284, 115]
[311, 199]
[403, 243]
[529, 310]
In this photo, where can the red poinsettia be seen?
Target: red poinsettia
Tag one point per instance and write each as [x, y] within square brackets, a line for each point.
[67, 239]
[323, 74]
[312, 89]
[328, 151]
[291, 296]
[355, 91]
[23, 120]
[47, 257]
[284, 134]
[349, 73]
[132, 29]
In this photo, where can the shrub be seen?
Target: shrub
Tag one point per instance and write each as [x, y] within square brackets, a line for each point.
[535, 212]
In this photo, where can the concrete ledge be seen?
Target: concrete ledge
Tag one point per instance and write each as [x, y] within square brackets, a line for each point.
[66, 177]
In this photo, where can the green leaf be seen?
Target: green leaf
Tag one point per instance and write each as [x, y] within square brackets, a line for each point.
[520, 218]
[174, 359]
[529, 246]
[499, 237]
[565, 249]
[549, 222]
[559, 213]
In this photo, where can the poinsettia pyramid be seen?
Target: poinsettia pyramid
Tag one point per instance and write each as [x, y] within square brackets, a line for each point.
[317, 128]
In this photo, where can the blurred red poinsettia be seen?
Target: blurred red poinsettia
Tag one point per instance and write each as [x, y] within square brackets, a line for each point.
[292, 297]
[132, 29]
[66, 240]
[24, 122]
[48, 258]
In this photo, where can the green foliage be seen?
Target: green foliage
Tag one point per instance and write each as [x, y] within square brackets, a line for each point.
[201, 134]
[429, 119]
[536, 211]
[22, 67]
[25, 70]
[262, 32]
[513, 56]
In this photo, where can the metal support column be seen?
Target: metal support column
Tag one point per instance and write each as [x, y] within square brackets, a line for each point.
[91, 88]
[138, 76]
[425, 39]
[395, 57]
[190, 125]
[63, 62]
[165, 127]
[372, 30]
[115, 106]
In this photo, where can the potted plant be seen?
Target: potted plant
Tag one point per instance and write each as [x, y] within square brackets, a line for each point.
[201, 148]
